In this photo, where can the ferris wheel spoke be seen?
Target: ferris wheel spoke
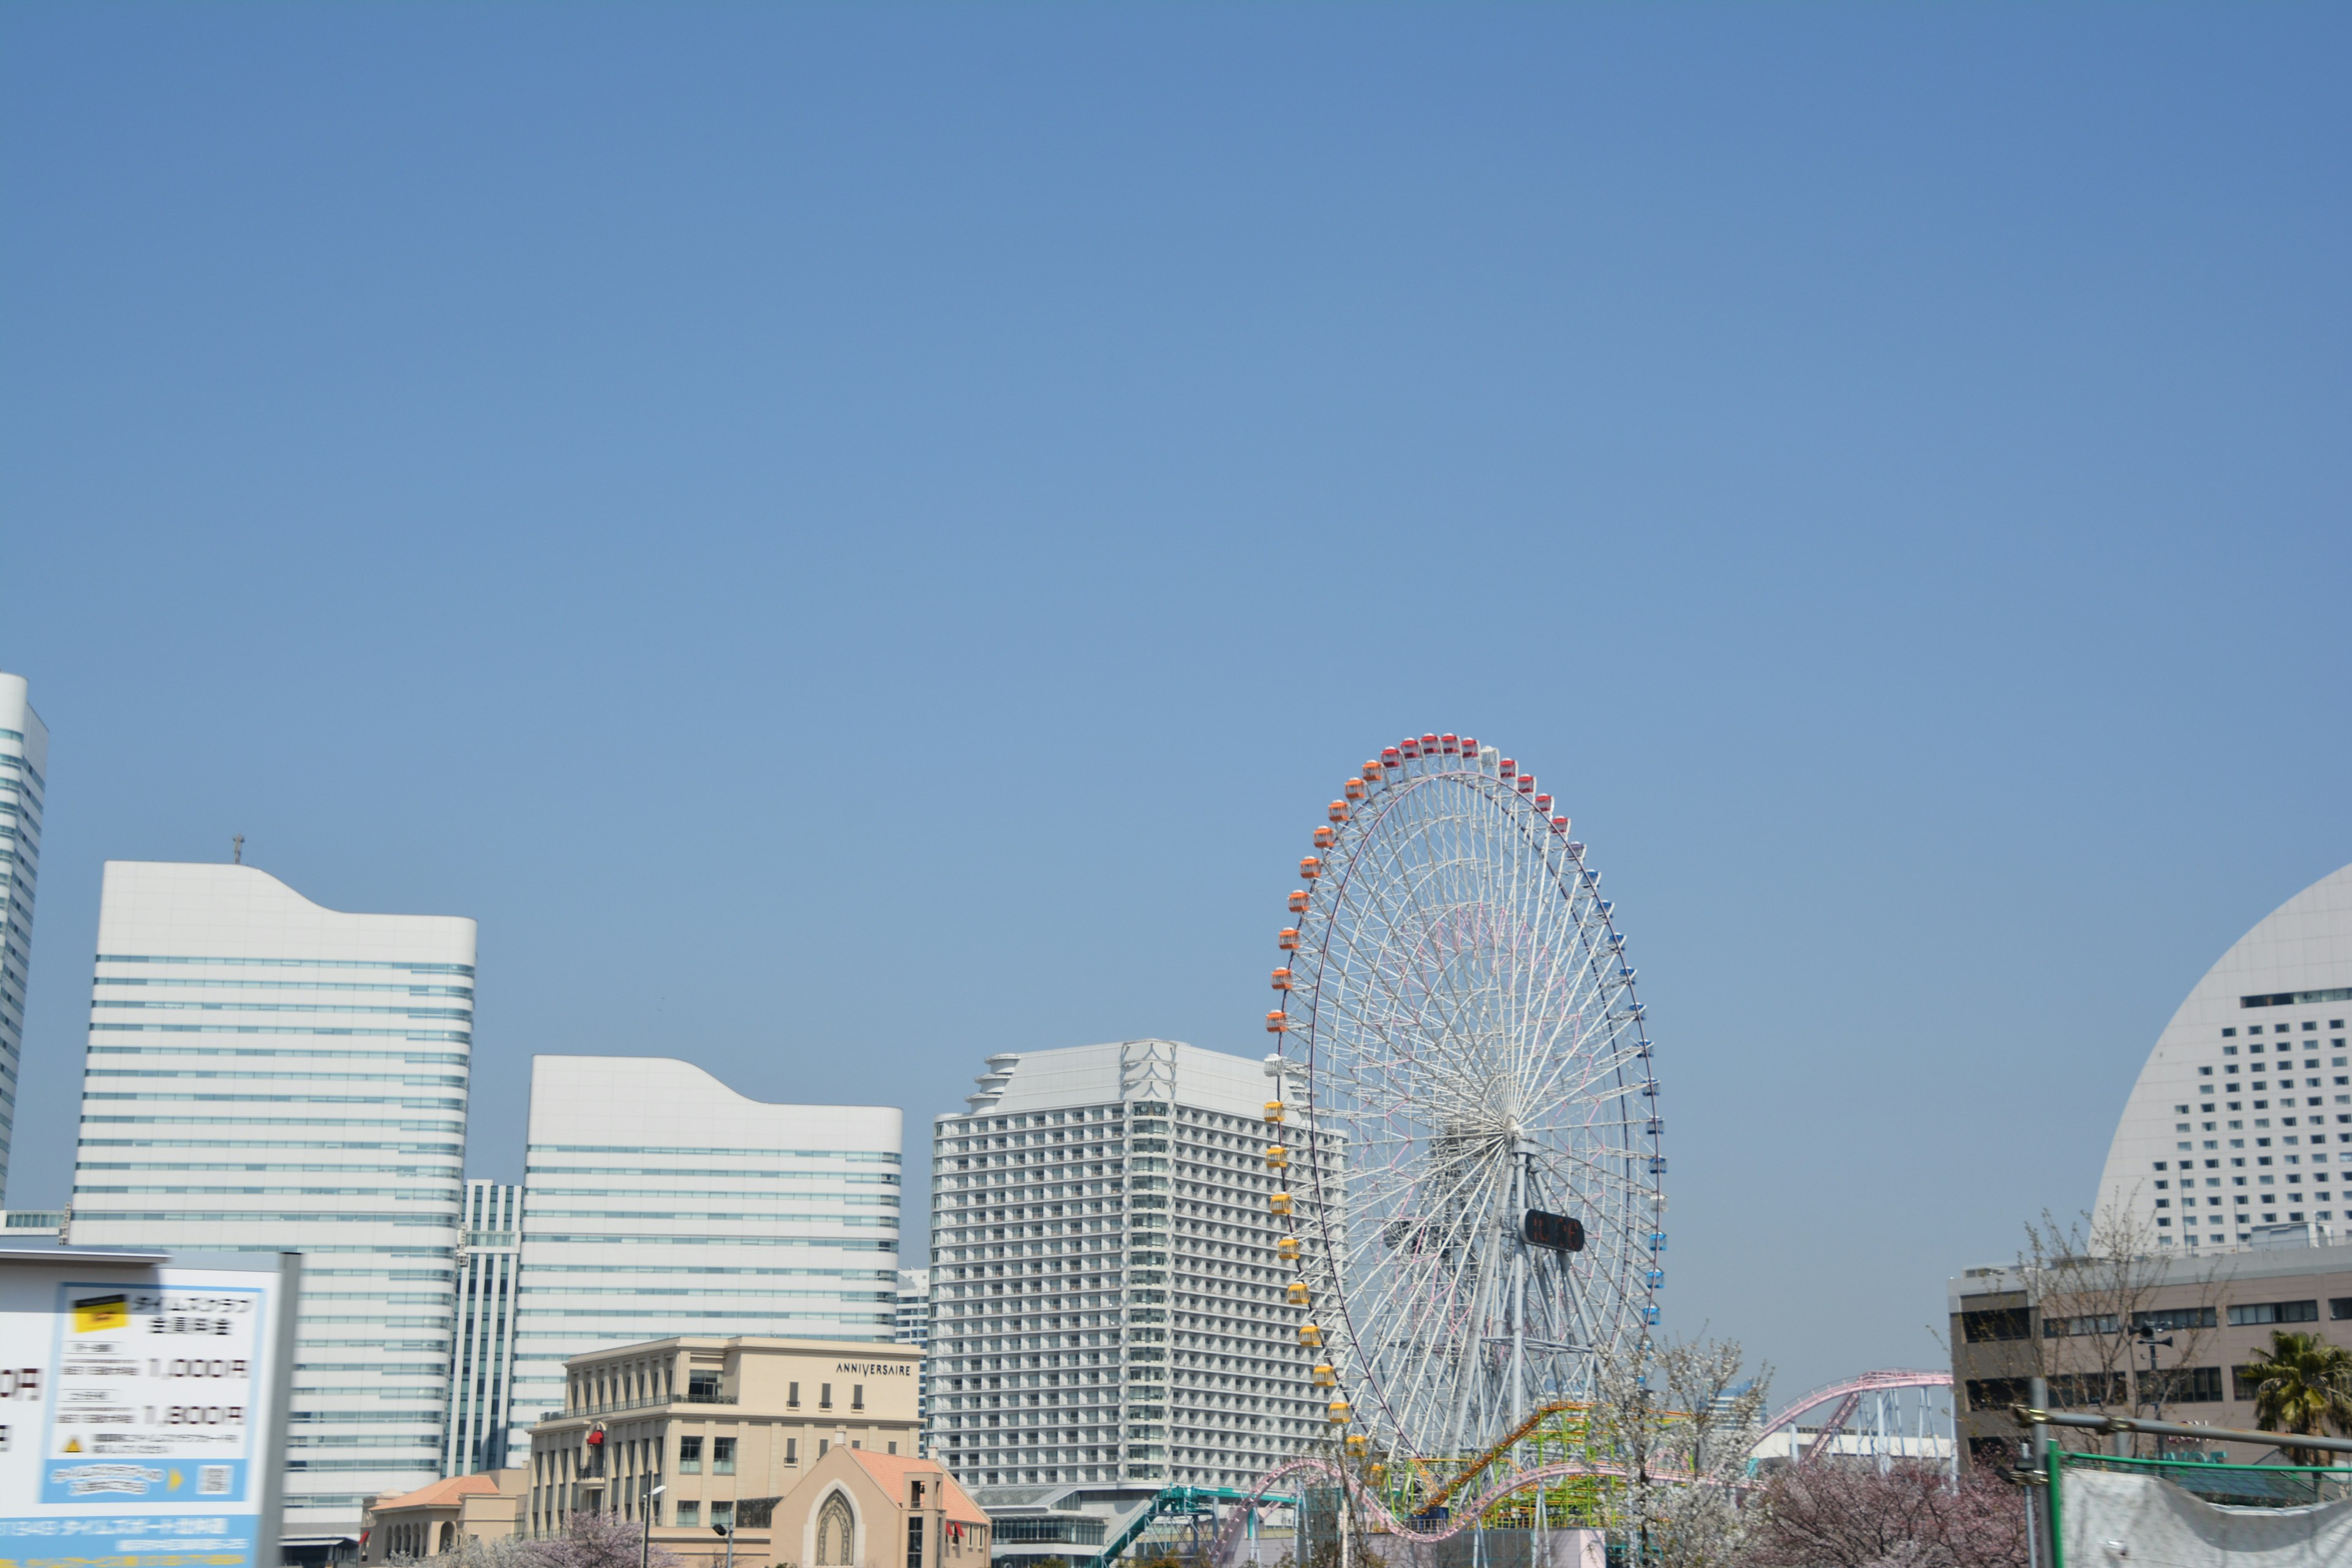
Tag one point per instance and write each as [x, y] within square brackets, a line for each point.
[1459, 1008]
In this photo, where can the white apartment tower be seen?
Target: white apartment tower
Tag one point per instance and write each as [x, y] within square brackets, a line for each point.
[264, 1075]
[2239, 1128]
[1107, 1300]
[24, 758]
[481, 1360]
[658, 1201]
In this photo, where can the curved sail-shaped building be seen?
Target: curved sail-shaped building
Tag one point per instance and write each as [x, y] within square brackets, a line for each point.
[2239, 1128]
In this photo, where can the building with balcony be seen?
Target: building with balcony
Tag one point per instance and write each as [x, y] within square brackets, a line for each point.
[724, 1427]
[1107, 1274]
[658, 1201]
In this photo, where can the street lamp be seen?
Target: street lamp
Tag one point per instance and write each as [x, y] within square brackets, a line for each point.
[2155, 1390]
[645, 1517]
[727, 1530]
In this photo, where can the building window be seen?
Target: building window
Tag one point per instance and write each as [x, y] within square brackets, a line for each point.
[689, 1455]
[791, 1450]
[857, 1396]
[722, 1456]
[825, 1396]
[2190, 1385]
[722, 1516]
[2275, 1312]
[792, 1395]
[689, 1514]
[836, 1533]
[2002, 1323]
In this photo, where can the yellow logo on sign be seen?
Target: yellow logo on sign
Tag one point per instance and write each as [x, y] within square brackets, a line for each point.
[97, 1314]
[73, 1445]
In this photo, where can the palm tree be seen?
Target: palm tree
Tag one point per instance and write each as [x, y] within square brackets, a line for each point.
[2302, 1385]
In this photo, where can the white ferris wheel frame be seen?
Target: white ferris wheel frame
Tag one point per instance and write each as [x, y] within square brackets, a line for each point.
[1459, 1005]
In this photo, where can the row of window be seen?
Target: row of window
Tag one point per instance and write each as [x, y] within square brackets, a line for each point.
[878, 1156]
[294, 962]
[2016, 1323]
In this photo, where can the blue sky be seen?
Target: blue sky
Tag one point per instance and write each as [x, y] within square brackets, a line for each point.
[851, 539]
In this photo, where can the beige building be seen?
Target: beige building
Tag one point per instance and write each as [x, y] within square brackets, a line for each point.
[443, 1516]
[2086, 1327]
[857, 1509]
[724, 1427]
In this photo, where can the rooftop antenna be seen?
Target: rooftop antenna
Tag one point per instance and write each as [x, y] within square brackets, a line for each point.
[237, 850]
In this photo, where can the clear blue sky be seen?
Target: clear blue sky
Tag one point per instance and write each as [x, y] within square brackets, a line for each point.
[851, 539]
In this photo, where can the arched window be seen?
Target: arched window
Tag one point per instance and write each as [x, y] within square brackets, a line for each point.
[836, 1533]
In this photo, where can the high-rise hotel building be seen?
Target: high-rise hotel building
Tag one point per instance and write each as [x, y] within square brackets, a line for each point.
[23, 759]
[1108, 1295]
[658, 1201]
[2240, 1128]
[481, 1359]
[265, 1075]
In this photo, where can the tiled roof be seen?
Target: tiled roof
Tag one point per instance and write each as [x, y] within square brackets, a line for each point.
[440, 1494]
[892, 1470]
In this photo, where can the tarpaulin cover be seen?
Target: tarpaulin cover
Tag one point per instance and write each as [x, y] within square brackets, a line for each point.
[2110, 1519]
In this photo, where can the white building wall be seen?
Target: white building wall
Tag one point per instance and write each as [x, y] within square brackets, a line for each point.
[265, 1075]
[2241, 1119]
[657, 1200]
[1106, 1299]
[23, 764]
[482, 1359]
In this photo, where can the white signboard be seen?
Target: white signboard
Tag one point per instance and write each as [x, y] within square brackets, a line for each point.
[142, 1412]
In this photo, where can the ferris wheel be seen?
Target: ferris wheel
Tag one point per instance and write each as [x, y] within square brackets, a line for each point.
[1479, 1173]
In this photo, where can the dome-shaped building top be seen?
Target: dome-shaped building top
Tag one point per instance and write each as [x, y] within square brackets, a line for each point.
[2241, 1120]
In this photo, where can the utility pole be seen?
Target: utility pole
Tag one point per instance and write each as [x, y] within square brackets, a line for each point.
[237, 850]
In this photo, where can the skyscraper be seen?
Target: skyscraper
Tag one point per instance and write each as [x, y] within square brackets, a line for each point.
[2239, 1128]
[658, 1201]
[912, 1326]
[482, 1362]
[1106, 1292]
[24, 758]
[265, 1075]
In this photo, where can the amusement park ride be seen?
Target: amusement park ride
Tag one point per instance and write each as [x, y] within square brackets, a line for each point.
[1479, 1154]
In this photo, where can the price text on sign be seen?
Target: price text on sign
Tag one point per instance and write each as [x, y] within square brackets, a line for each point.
[151, 1396]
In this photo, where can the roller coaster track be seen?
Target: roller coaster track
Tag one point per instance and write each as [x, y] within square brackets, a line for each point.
[1382, 1521]
[1500, 1447]
[1849, 1395]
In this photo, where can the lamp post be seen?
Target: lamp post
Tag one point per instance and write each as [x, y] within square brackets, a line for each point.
[727, 1530]
[2155, 1390]
[645, 1517]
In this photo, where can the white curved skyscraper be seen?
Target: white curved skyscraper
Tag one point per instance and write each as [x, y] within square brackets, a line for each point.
[2241, 1119]
[265, 1075]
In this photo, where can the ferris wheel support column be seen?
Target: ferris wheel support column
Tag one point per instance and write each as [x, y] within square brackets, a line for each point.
[1518, 1285]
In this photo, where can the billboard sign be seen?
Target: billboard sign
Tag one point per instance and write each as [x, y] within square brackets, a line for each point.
[142, 1409]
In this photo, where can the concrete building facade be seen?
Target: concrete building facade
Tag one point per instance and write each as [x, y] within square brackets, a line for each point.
[24, 788]
[265, 1075]
[725, 1427]
[1107, 1294]
[656, 1199]
[2240, 1127]
[2217, 1312]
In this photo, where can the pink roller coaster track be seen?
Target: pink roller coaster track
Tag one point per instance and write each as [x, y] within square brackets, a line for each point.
[1849, 1395]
